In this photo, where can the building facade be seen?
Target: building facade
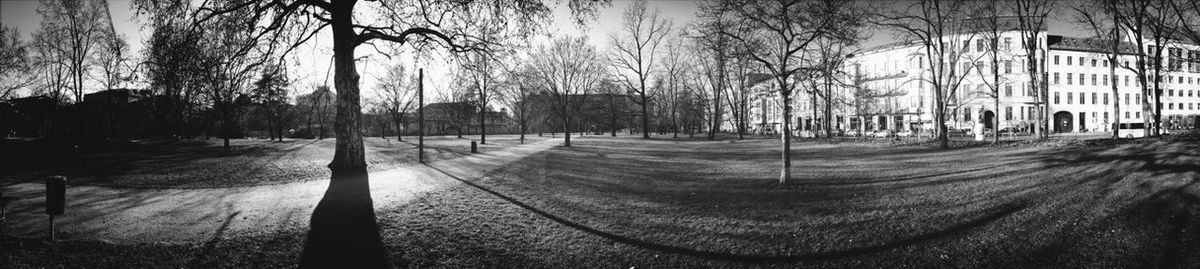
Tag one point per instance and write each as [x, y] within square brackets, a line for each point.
[891, 88]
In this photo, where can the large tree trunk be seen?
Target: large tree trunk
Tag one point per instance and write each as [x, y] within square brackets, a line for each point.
[482, 126]
[567, 130]
[645, 116]
[940, 119]
[348, 155]
[785, 174]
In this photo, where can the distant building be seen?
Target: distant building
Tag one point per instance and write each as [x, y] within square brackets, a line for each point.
[892, 91]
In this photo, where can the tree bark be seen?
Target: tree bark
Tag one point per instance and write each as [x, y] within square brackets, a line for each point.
[566, 130]
[348, 155]
[785, 175]
[645, 116]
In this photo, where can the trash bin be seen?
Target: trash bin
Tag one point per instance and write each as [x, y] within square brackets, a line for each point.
[56, 194]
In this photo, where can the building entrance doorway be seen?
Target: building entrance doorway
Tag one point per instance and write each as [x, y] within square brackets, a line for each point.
[989, 119]
[1062, 122]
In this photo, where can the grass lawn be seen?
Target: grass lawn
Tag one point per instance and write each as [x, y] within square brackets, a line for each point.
[206, 164]
[625, 202]
[628, 202]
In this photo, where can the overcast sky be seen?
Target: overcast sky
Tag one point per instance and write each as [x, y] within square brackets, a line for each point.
[310, 63]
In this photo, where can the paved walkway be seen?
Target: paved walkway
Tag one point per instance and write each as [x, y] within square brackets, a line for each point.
[128, 215]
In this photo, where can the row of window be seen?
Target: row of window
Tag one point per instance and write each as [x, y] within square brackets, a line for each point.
[1175, 60]
[1027, 113]
[1103, 80]
[1136, 100]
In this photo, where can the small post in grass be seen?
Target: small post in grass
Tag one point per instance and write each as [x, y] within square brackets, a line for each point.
[56, 192]
[421, 115]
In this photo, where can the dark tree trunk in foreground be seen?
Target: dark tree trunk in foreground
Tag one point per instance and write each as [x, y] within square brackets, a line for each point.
[348, 156]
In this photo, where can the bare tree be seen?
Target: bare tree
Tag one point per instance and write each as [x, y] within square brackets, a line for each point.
[832, 53]
[271, 92]
[635, 48]
[15, 63]
[991, 26]
[676, 66]
[782, 32]
[612, 103]
[568, 69]
[316, 106]
[1156, 22]
[1102, 20]
[422, 24]
[397, 97]
[516, 90]
[1031, 22]
[481, 69]
[81, 25]
[939, 27]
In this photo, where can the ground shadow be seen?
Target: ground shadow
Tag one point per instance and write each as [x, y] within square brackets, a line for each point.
[344, 232]
[983, 218]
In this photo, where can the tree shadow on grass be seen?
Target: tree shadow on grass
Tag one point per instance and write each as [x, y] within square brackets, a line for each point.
[984, 217]
[344, 232]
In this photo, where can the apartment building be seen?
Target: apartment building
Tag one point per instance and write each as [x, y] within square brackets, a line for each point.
[892, 87]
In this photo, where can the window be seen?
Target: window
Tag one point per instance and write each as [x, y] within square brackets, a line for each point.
[1081, 79]
[1170, 92]
[1056, 98]
[1056, 59]
[1137, 98]
[967, 115]
[1105, 116]
[1069, 60]
[1023, 113]
[966, 44]
[1105, 80]
[1137, 115]
[1094, 98]
[1007, 43]
[1126, 99]
[980, 46]
[982, 67]
[1126, 114]
[1007, 90]
[1008, 113]
[1106, 98]
[1126, 66]
[1056, 77]
[1081, 61]
[1105, 63]
[1008, 66]
[1069, 77]
[1093, 62]
[1093, 79]
[1126, 81]
[1171, 106]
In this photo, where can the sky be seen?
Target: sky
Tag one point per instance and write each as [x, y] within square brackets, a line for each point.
[310, 63]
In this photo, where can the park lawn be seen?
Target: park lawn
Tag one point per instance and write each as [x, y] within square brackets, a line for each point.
[628, 202]
[191, 164]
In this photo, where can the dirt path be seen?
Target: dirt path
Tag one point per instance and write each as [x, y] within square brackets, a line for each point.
[128, 216]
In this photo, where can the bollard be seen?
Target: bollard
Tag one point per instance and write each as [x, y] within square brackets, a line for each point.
[473, 147]
[56, 192]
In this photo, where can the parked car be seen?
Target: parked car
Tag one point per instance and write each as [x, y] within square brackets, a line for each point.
[957, 132]
[881, 133]
[905, 133]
